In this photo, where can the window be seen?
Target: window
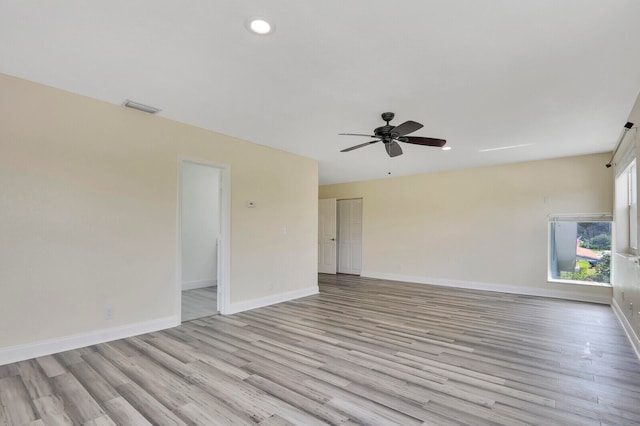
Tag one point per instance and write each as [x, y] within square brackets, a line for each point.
[580, 248]
[626, 210]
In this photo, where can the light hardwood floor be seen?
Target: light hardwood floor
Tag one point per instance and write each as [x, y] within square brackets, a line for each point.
[361, 352]
[199, 303]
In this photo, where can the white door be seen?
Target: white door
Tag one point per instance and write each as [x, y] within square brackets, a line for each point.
[327, 236]
[350, 236]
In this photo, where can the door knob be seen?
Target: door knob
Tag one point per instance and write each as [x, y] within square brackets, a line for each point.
[333, 239]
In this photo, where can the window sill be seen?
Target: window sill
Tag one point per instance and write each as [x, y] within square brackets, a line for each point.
[627, 255]
[573, 282]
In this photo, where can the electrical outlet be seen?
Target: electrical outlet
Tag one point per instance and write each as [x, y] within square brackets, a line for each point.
[108, 313]
[631, 308]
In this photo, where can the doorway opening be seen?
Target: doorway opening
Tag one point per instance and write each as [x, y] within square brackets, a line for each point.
[203, 265]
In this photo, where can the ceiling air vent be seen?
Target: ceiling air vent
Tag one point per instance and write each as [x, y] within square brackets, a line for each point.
[140, 107]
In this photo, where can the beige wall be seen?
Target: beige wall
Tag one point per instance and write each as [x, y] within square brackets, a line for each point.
[479, 228]
[88, 214]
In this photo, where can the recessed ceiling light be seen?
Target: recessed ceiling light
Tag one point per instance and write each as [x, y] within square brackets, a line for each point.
[260, 26]
[446, 148]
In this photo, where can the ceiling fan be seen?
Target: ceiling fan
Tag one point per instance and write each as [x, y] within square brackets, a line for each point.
[391, 135]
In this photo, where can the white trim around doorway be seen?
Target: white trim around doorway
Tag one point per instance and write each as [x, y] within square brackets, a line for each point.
[224, 253]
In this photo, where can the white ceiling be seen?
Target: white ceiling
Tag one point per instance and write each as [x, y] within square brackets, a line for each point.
[559, 76]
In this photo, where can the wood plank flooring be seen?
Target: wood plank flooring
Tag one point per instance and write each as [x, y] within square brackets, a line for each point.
[363, 351]
[199, 303]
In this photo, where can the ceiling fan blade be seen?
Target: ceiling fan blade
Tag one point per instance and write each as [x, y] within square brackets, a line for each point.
[356, 134]
[393, 149]
[405, 128]
[419, 140]
[359, 146]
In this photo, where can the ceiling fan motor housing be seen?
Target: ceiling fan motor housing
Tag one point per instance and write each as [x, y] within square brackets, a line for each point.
[383, 132]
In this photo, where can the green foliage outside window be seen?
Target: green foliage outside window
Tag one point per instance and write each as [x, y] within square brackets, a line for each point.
[601, 273]
[599, 242]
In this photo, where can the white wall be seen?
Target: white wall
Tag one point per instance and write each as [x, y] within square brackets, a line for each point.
[200, 224]
[88, 216]
[480, 228]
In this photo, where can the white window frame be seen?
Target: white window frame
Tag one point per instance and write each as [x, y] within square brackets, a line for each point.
[632, 202]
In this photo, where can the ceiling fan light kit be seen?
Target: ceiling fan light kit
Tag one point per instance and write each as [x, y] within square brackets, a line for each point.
[390, 135]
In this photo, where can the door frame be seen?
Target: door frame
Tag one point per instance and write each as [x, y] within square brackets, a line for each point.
[334, 242]
[224, 246]
[338, 200]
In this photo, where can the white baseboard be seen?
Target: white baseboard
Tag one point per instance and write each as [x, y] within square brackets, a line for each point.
[192, 285]
[47, 347]
[26, 351]
[270, 300]
[501, 288]
[633, 337]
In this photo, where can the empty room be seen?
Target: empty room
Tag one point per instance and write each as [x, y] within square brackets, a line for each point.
[229, 213]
